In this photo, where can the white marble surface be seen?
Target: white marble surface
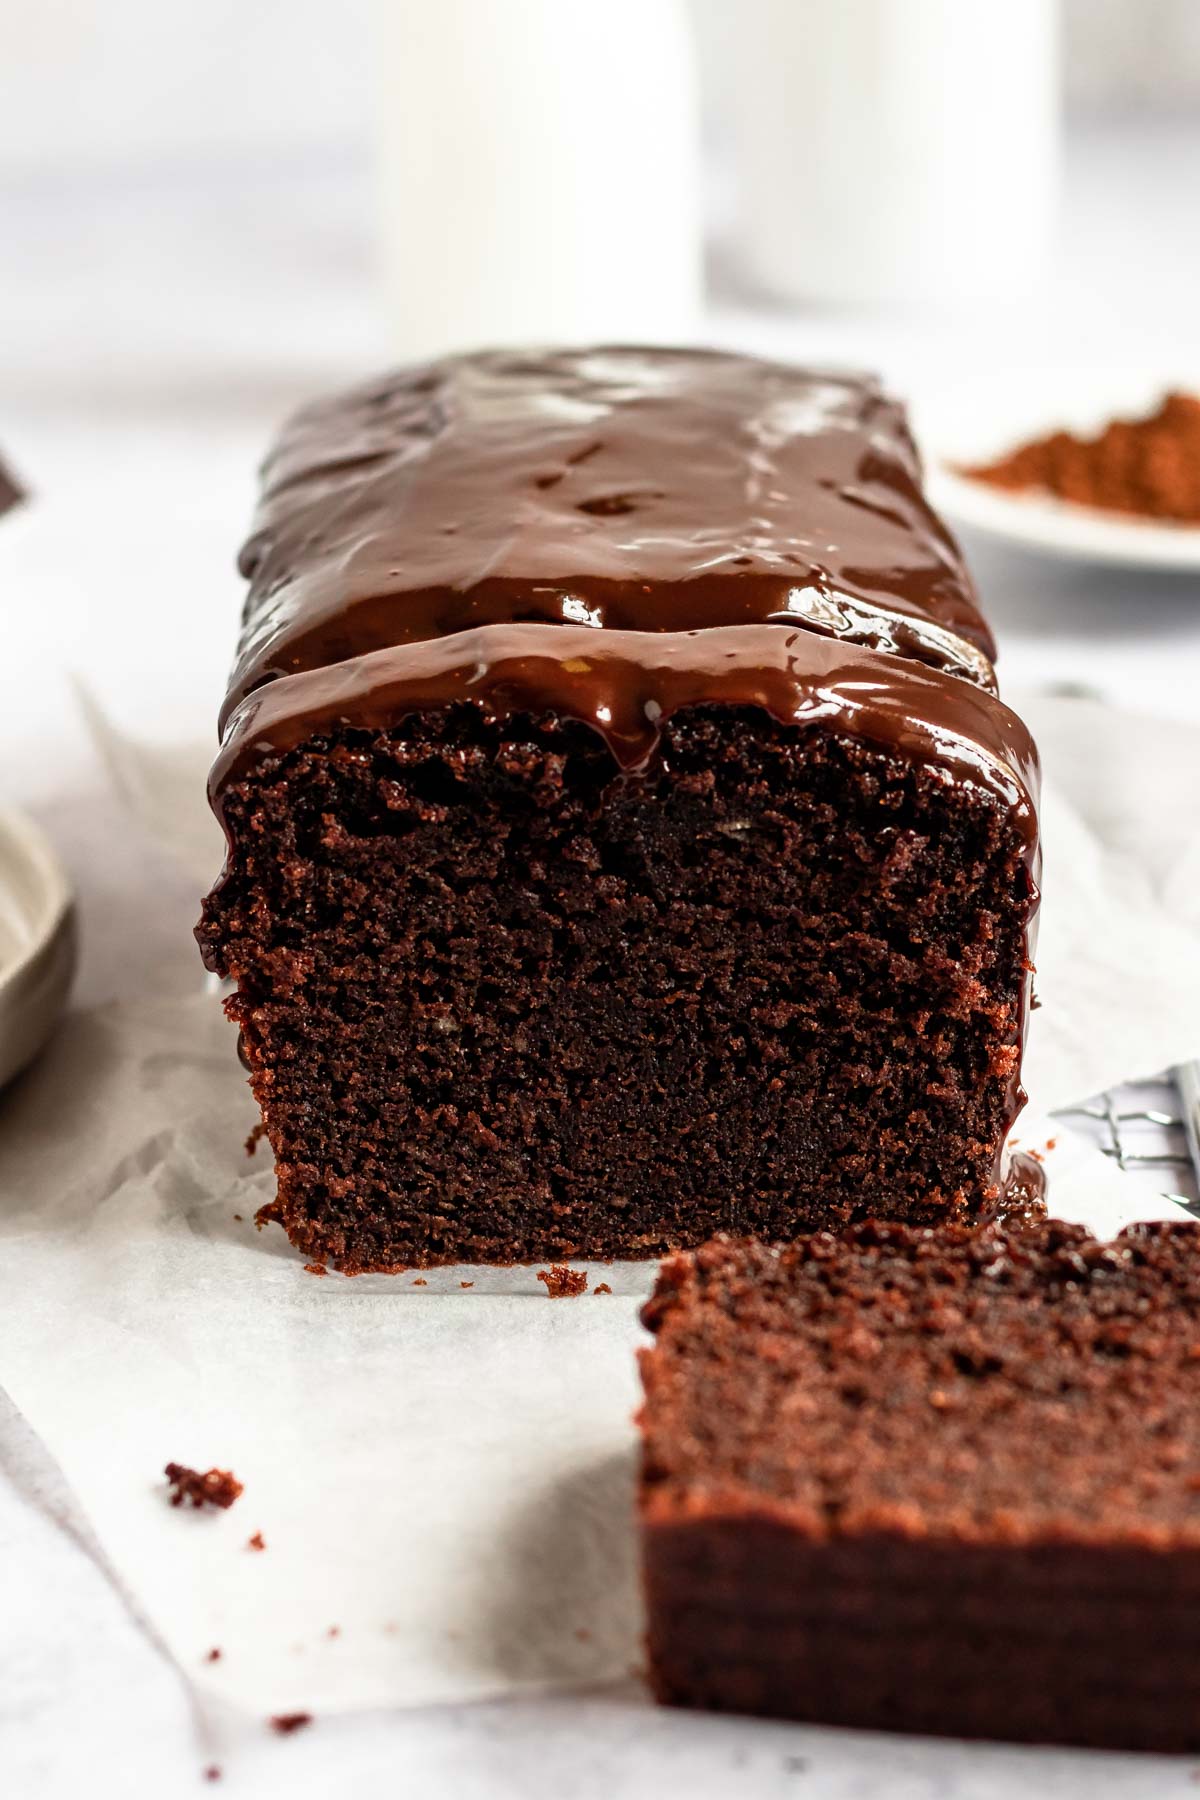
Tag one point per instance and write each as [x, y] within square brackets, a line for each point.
[154, 328]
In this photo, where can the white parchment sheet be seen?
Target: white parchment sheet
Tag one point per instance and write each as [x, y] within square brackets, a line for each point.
[442, 1474]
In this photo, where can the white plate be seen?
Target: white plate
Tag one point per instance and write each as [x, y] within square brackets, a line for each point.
[1058, 528]
[37, 941]
[983, 421]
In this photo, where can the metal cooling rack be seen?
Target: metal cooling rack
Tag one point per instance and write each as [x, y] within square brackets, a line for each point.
[1149, 1128]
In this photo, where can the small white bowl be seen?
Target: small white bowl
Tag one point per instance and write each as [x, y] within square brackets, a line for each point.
[37, 941]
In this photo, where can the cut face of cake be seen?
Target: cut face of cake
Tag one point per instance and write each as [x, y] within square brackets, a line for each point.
[625, 840]
[932, 1480]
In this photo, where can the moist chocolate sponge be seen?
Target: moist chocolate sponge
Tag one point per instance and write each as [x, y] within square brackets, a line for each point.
[499, 1003]
[933, 1480]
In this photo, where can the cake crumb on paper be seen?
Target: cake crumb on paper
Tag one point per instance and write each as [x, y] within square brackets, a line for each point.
[602, 1287]
[563, 1283]
[256, 1542]
[286, 1723]
[315, 1269]
[255, 1138]
[215, 1487]
[214, 1655]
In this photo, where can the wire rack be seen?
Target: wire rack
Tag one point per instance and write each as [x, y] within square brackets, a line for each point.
[1151, 1129]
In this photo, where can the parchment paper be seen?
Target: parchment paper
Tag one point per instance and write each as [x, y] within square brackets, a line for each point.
[441, 1473]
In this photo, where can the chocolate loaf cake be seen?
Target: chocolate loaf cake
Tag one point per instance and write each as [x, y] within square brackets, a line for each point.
[625, 839]
[930, 1480]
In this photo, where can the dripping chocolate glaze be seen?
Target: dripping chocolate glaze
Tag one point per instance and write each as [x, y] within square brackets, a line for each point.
[625, 684]
[612, 536]
[1021, 1196]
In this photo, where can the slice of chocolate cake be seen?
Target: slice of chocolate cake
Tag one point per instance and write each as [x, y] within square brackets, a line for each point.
[930, 1480]
[625, 838]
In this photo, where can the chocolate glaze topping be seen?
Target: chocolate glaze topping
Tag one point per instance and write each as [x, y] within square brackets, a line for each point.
[610, 536]
[624, 684]
[641, 490]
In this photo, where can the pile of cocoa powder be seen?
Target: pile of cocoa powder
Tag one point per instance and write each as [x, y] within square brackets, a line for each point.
[1149, 466]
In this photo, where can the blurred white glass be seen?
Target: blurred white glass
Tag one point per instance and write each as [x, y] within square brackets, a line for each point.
[894, 150]
[540, 172]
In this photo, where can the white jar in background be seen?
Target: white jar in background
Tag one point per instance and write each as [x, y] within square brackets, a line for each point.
[540, 172]
[893, 150]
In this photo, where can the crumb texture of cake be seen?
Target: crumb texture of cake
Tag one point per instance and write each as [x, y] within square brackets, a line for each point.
[213, 1487]
[625, 839]
[288, 1723]
[562, 1283]
[929, 1479]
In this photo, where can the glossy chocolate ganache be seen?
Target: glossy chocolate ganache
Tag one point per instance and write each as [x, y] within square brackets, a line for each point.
[611, 535]
[632, 490]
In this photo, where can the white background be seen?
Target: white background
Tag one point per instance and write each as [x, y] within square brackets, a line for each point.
[187, 250]
[112, 79]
